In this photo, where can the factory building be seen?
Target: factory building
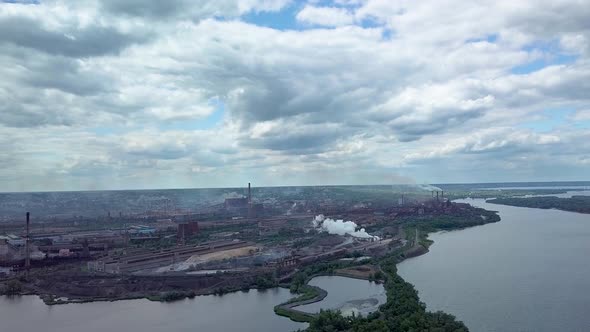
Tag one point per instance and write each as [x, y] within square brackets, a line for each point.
[7, 251]
[12, 249]
[142, 230]
[13, 240]
[236, 203]
[244, 206]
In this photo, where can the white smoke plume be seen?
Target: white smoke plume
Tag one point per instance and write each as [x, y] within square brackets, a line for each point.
[289, 212]
[232, 194]
[429, 187]
[340, 227]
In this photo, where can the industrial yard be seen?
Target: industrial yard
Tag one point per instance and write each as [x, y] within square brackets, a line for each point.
[258, 239]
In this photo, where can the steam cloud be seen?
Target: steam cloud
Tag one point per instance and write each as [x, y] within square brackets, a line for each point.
[340, 227]
[429, 187]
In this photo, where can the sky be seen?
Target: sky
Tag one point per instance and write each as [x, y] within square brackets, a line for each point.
[109, 94]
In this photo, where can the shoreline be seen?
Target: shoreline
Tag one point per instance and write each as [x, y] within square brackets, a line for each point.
[554, 204]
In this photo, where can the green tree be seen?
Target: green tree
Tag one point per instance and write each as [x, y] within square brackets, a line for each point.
[13, 287]
[329, 321]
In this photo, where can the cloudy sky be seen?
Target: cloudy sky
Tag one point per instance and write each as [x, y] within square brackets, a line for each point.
[111, 94]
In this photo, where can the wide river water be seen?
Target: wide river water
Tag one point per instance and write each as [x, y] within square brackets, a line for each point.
[239, 311]
[528, 272]
[251, 311]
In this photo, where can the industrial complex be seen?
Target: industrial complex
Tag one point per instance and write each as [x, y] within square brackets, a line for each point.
[230, 243]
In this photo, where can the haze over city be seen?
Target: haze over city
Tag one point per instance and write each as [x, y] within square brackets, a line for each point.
[168, 94]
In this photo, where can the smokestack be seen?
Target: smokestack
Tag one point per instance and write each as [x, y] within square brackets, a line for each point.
[437, 195]
[249, 194]
[27, 245]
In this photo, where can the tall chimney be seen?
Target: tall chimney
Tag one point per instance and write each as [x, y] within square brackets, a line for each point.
[27, 245]
[437, 195]
[249, 194]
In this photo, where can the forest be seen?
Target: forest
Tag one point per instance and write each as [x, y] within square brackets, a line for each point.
[579, 204]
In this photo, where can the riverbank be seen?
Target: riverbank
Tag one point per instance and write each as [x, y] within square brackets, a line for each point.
[309, 294]
[580, 204]
[70, 286]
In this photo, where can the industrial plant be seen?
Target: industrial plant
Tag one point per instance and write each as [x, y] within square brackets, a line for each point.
[227, 239]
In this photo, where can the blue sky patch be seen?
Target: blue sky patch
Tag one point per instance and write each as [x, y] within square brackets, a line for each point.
[489, 38]
[281, 20]
[213, 120]
[559, 59]
[551, 53]
[552, 118]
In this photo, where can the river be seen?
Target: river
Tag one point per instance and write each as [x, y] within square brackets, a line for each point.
[240, 311]
[528, 272]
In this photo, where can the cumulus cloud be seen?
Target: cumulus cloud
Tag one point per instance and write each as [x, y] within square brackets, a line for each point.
[186, 9]
[116, 94]
[325, 16]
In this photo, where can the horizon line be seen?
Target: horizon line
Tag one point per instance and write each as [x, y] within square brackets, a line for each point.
[290, 186]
